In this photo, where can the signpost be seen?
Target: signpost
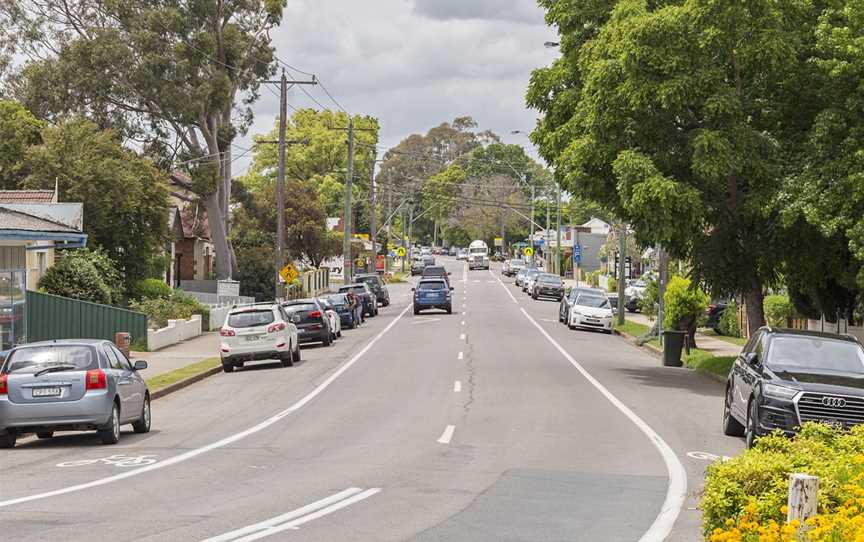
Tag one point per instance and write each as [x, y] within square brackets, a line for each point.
[577, 259]
[400, 252]
[288, 273]
[528, 251]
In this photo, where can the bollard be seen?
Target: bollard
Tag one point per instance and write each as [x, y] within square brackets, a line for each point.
[803, 498]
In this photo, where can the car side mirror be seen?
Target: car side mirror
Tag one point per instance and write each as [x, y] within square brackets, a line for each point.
[451, 288]
[751, 358]
[413, 289]
[140, 365]
[449, 273]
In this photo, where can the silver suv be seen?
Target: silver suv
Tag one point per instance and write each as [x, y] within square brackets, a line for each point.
[256, 332]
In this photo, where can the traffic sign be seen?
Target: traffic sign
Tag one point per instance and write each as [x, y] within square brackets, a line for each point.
[577, 253]
[528, 251]
[400, 252]
[288, 273]
[499, 241]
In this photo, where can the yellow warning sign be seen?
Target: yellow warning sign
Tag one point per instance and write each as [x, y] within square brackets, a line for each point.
[400, 252]
[528, 251]
[288, 273]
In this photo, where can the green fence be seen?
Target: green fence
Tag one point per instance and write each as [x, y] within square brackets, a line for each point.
[54, 317]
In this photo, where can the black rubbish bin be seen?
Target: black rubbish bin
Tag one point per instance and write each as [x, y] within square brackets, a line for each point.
[673, 343]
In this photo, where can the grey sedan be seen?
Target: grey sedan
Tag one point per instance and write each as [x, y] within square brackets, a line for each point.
[71, 385]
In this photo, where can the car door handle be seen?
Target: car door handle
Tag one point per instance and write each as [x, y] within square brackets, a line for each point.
[125, 381]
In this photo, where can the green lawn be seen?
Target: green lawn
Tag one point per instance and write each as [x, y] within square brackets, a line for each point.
[739, 341]
[632, 328]
[705, 362]
[166, 379]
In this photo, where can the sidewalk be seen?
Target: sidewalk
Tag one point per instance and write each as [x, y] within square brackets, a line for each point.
[179, 355]
[716, 347]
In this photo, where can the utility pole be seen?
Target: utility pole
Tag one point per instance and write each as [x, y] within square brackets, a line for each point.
[402, 243]
[389, 220]
[663, 278]
[558, 231]
[546, 250]
[622, 251]
[280, 182]
[347, 229]
[532, 222]
[410, 225]
[373, 232]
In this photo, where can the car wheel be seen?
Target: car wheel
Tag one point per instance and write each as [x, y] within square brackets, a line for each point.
[227, 367]
[326, 340]
[534, 297]
[386, 303]
[570, 323]
[449, 309]
[416, 311]
[287, 359]
[752, 431]
[7, 439]
[339, 333]
[45, 434]
[295, 354]
[110, 432]
[731, 426]
[142, 424]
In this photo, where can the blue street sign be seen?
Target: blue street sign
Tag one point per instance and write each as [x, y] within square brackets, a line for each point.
[577, 253]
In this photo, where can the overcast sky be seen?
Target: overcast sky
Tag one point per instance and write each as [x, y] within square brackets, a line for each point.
[414, 64]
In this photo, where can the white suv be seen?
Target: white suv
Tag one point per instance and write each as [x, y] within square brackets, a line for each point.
[254, 332]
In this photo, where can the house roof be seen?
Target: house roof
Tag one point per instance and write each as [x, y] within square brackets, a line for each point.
[27, 196]
[16, 220]
[69, 215]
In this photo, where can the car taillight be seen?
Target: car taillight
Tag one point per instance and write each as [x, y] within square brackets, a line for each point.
[315, 314]
[276, 327]
[226, 332]
[96, 380]
[4, 384]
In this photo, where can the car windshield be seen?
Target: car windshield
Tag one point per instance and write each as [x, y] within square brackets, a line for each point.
[251, 318]
[338, 300]
[802, 352]
[36, 358]
[371, 281]
[549, 279]
[593, 301]
[516, 263]
[532, 273]
[301, 307]
[431, 285]
[434, 271]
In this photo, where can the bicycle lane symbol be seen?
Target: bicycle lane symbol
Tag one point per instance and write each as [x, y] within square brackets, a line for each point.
[117, 460]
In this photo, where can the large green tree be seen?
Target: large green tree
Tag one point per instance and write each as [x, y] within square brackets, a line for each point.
[678, 117]
[179, 75]
[19, 129]
[125, 197]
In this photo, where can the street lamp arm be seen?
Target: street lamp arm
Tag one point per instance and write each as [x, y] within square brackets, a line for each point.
[526, 217]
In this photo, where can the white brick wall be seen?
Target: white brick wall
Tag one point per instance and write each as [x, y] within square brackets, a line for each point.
[177, 331]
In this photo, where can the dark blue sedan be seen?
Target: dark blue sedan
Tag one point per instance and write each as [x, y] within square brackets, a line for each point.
[432, 293]
[350, 315]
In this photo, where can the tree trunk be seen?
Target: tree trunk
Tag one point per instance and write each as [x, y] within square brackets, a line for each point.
[224, 252]
[753, 298]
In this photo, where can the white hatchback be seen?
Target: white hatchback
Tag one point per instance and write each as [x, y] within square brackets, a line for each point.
[256, 332]
[591, 310]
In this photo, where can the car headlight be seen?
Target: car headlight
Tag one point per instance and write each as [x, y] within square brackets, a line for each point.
[779, 392]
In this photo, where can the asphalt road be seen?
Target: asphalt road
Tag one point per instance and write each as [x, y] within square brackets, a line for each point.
[494, 423]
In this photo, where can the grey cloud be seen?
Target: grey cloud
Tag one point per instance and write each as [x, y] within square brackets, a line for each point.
[525, 11]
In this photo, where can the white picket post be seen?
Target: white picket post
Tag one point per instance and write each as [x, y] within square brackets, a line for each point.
[803, 497]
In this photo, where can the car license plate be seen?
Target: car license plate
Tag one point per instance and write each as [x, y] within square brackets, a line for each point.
[836, 424]
[299, 331]
[46, 392]
[252, 338]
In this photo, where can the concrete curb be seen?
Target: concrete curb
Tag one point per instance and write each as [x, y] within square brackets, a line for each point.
[179, 385]
[659, 353]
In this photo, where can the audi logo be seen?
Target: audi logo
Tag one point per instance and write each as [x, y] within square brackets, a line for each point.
[835, 402]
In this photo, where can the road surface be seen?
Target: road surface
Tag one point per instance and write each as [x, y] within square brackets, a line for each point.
[495, 423]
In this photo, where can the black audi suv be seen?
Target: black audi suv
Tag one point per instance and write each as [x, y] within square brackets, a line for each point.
[784, 378]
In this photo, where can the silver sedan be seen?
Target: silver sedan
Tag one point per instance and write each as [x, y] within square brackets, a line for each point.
[71, 385]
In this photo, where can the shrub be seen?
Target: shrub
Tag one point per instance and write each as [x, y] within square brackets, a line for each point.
[752, 488]
[150, 289]
[611, 284]
[778, 310]
[177, 306]
[648, 303]
[728, 324]
[684, 305]
[86, 275]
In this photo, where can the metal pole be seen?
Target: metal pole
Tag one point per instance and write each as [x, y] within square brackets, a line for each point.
[373, 232]
[663, 278]
[576, 268]
[389, 220]
[402, 243]
[410, 227]
[280, 183]
[558, 234]
[546, 251]
[622, 254]
[346, 222]
[532, 222]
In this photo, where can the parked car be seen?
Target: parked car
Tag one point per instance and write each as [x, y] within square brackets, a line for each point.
[364, 295]
[713, 313]
[520, 276]
[548, 285]
[376, 284]
[591, 311]
[530, 276]
[333, 317]
[784, 378]
[462, 254]
[511, 267]
[349, 308]
[432, 293]
[453, 251]
[313, 324]
[258, 332]
[71, 385]
[634, 293]
[567, 301]
[436, 271]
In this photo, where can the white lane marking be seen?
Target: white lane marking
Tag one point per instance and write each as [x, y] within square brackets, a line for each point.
[706, 456]
[461, 336]
[118, 460]
[547, 320]
[490, 282]
[464, 313]
[463, 322]
[677, 489]
[447, 435]
[463, 305]
[457, 386]
[461, 355]
[293, 520]
[506, 289]
[219, 443]
[422, 320]
[477, 281]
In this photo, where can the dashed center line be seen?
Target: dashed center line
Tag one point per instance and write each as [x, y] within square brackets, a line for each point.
[461, 355]
[461, 336]
[457, 386]
[447, 435]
